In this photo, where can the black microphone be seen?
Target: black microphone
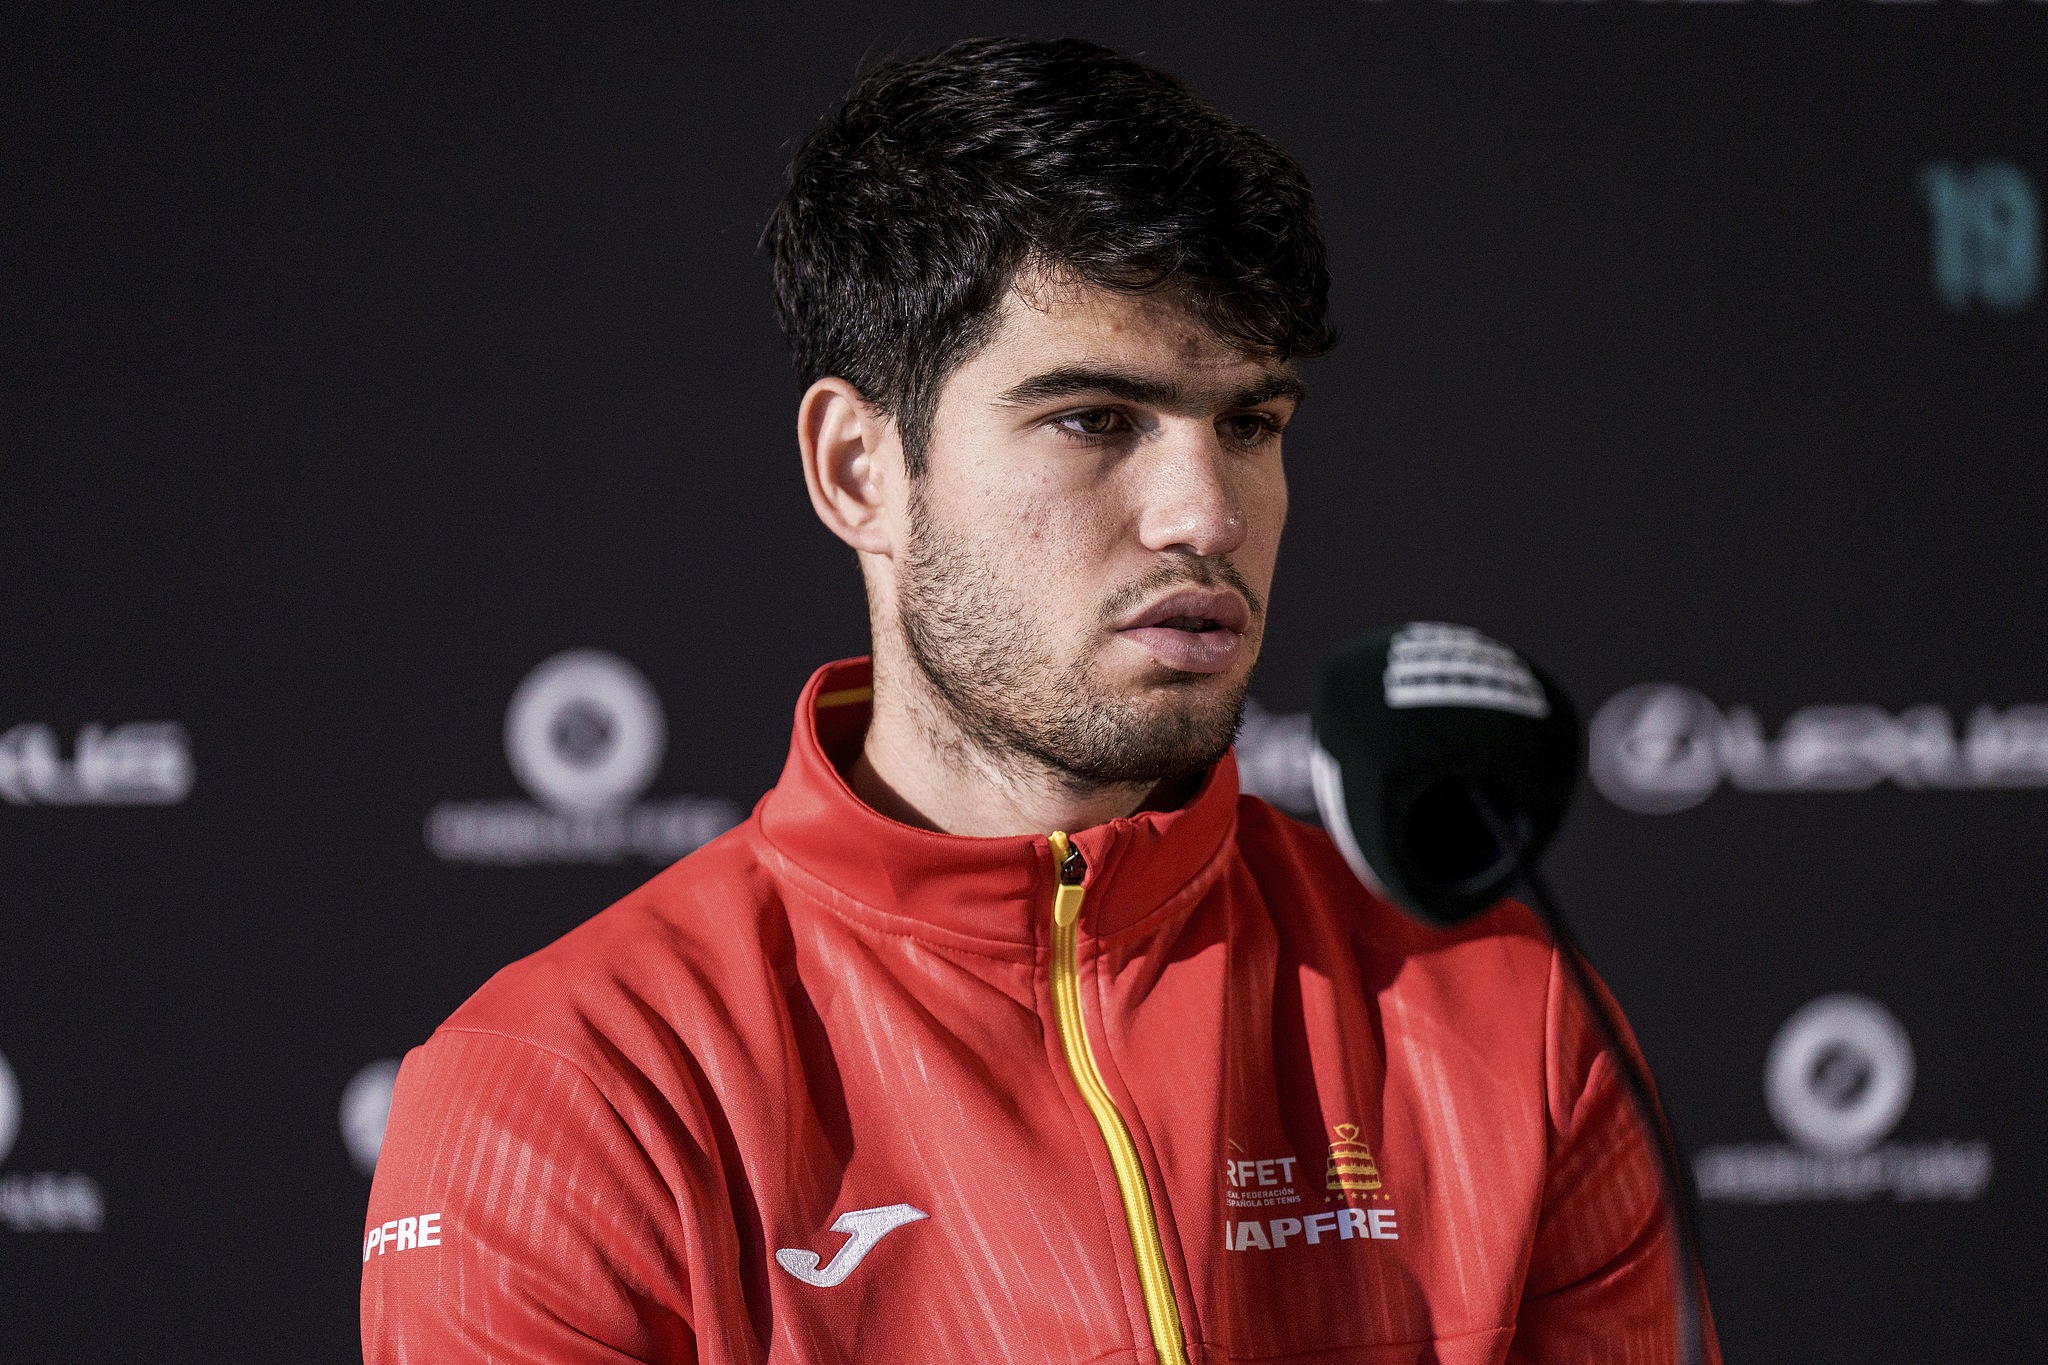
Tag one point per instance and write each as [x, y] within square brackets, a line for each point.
[1408, 723]
[1444, 764]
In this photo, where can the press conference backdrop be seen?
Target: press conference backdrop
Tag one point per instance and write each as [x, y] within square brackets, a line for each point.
[405, 555]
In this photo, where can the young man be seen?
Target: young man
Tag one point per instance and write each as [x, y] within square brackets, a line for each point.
[1005, 1029]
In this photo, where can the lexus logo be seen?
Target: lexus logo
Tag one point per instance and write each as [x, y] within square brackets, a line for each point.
[1655, 749]
[1661, 747]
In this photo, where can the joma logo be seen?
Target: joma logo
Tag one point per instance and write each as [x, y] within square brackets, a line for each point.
[864, 1227]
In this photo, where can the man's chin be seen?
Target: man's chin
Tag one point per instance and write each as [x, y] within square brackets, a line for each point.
[1166, 727]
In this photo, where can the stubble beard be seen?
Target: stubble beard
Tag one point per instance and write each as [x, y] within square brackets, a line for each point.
[1011, 695]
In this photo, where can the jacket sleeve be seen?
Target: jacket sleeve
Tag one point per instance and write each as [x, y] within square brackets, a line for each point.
[515, 1218]
[1603, 1274]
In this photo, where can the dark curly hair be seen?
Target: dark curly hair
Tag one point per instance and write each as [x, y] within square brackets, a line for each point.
[911, 208]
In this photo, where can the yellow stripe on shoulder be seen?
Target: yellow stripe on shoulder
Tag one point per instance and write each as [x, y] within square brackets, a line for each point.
[845, 696]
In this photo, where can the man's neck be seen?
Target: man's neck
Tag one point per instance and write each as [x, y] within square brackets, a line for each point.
[918, 766]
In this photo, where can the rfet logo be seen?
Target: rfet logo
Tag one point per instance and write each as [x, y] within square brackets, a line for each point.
[585, 736]
[1838, 1079]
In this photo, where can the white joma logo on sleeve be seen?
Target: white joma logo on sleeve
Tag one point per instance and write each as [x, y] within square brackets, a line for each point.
[864, 1228]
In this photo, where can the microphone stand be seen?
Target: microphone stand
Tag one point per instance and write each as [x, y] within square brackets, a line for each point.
[1678, 1191]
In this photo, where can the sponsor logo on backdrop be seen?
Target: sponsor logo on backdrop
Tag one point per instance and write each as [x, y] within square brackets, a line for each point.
[40, 1201]
[585, 736]
[365, 1110]
[1986, 222]
[1658, 748]
[1838, 1078]
[142, 763]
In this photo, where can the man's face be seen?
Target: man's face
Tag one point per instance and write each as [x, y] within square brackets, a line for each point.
[1092, 540]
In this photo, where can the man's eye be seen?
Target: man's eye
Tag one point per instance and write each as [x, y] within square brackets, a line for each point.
[1094, 422]
[1250, 428]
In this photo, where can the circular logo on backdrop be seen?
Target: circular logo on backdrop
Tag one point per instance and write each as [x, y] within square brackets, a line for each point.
[10, 1109]
[585, 732]
[1655, 748]
[365, 1110]
[1839, 1074]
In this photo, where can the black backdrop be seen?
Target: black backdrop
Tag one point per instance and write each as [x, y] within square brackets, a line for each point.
[354, 368]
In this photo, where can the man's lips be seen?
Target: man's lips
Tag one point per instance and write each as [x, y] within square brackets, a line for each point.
[1193, 608]
[1191, 630]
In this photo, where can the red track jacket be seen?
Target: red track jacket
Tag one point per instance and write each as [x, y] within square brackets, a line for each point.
[836, 1089]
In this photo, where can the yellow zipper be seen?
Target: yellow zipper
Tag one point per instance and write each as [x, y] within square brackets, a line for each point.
[1160, 1309]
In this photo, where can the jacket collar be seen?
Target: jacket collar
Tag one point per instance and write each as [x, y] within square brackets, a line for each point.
[987, 890]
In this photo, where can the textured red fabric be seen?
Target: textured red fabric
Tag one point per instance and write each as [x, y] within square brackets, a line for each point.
[826, 1011]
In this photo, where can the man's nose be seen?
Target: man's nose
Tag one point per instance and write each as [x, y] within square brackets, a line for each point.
[1190, 502]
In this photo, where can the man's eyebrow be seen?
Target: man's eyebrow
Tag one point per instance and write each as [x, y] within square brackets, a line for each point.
[1273, 386]
[1073, 380]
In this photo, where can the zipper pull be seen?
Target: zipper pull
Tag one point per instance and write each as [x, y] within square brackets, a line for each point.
[1066, 899]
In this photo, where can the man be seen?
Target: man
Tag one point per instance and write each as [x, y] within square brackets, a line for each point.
[1005, 1029]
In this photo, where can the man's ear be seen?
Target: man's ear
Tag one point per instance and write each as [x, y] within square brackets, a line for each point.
[849, 451]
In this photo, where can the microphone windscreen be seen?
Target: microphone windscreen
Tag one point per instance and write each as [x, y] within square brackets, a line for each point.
[1409, 722]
